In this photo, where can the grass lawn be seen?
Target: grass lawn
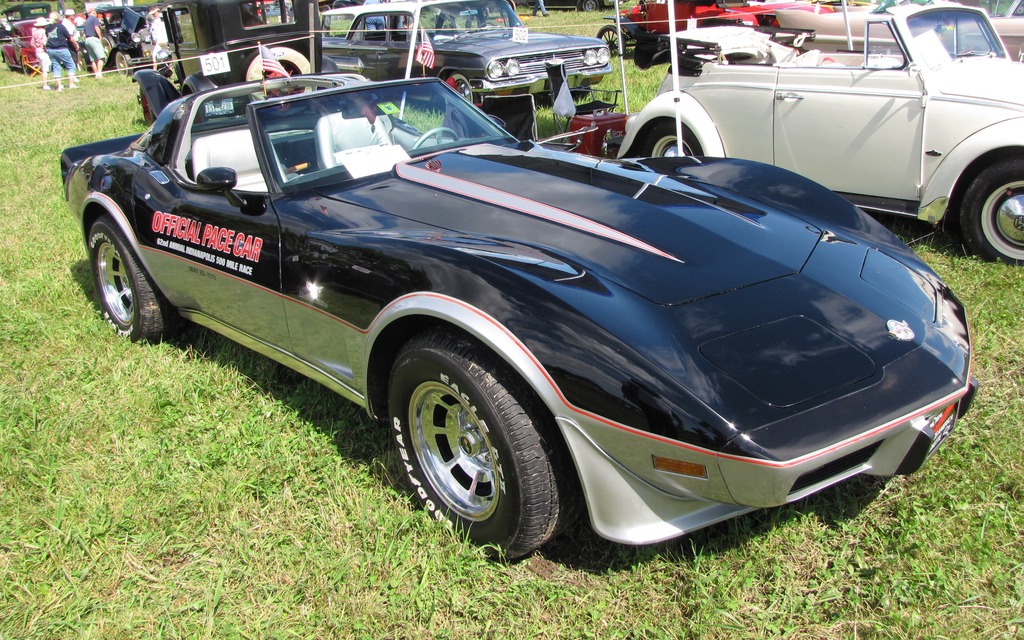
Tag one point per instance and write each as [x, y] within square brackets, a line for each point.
[194, 489]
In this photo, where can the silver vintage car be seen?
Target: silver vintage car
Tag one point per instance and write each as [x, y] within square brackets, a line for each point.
[927, 120]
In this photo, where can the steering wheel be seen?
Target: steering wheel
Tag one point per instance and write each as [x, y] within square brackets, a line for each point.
[436, 132]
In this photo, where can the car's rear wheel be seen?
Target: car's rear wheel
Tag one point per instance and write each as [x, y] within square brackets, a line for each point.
[589, 5]
[475, 444]
[292, 61]
[992, 216]
[122, 63]
[127, 297]
[661, 141]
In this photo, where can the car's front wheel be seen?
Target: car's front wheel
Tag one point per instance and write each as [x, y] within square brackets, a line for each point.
[475, 444]
[610, 37]
[661, 141]
[992, 216]
[589, 5]
[127, 297]
[461, 85]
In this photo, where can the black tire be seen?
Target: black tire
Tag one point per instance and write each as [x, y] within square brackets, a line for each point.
[610, 37]
[127, 297]
[461, 85]
[589, 5]
[660, 141]
[475, 444]
[992, 215]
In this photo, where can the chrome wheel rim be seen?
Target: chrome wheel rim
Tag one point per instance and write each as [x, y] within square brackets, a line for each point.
[461, 85]
[454, 452]
[666, 147]
[115, 284]
[1002, 219]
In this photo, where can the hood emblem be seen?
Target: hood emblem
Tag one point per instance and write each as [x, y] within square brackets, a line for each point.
[900, 330]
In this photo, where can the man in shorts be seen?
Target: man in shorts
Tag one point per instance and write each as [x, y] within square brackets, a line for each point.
[94, 43]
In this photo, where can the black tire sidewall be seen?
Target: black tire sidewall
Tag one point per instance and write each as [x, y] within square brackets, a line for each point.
[100, 234]
[664, 129]
[421, 365]
[972, 212]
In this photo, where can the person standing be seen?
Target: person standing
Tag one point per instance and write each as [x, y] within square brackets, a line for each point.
[538, 5]
[94, 43]
[59, 47]
[39, 44]
[157, 32]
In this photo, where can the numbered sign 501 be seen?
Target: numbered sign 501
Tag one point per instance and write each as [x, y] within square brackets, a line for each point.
[214, 63]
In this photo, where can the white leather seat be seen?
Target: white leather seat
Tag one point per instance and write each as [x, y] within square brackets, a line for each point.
[335, 134]
[233, 149]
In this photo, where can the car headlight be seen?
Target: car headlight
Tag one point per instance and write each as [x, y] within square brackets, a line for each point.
[512, 67]
[603, 55]
[590, 57]
[495, 69]
[136, 37]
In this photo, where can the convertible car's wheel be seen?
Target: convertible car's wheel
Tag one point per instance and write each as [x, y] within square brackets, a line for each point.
[992, 217]
[474, 444]
[610, 37]
[661, 141]
[127, 297]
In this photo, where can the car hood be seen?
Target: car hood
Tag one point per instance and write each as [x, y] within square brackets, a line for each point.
[499, 42]
[669, 240]
[984, 78]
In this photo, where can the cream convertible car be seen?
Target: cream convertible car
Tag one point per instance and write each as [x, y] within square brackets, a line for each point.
[927, 121]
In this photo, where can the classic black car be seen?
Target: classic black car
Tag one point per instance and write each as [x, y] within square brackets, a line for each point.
[675, 341]
[127, 37]
[26, 10]
[581, 5]
[474, 42]
[216, 43]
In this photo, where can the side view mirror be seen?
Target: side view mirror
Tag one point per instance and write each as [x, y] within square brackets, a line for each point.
[217, 179]
[224, 180]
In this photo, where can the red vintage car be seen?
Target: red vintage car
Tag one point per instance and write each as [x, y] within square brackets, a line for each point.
[18, 52]
[651, 17]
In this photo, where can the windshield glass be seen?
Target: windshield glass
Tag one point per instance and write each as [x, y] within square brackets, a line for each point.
[331, 137]
[453, 19]
[944, 35]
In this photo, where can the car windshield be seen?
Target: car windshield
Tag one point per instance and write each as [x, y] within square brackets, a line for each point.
[452, 20]
[329, 137]
[943, 35]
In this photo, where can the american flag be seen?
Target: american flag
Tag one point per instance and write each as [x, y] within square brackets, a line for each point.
[271, 65]
[425, 52]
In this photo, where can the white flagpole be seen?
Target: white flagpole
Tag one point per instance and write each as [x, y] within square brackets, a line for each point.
[673, 53]
[622, 58]
[412, 42]
[846, 20]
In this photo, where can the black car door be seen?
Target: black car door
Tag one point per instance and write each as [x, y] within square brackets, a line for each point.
[209, 254]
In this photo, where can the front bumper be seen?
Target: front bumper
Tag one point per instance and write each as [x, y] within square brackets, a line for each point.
[536, 82]
[633, 502]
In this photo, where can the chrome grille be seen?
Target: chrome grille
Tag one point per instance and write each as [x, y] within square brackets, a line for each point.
[535, 62]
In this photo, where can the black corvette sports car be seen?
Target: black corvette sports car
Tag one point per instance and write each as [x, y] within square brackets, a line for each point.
[669, 342]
